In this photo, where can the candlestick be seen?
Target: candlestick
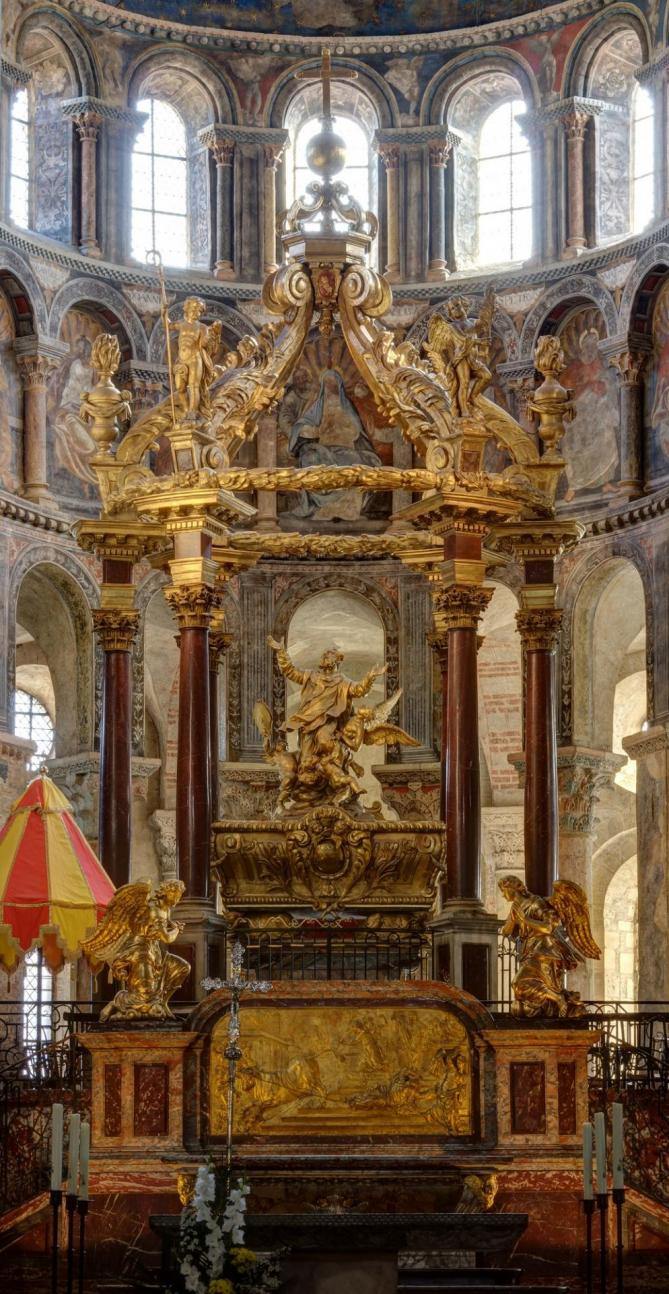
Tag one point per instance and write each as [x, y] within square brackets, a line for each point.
[56, 1197]
[617, 1146]
[600, 1152]
[56, 1147]
[587, 1161]
[73, 1154]
[84, 1155]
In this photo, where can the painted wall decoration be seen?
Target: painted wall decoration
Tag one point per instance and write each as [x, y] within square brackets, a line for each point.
[657, 390]
[328, 417]
[362, 17]
[53, 139]
[11, 404]
[590, 445]
[69, 442]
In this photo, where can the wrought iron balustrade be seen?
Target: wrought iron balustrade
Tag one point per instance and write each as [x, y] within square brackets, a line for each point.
[318, 953]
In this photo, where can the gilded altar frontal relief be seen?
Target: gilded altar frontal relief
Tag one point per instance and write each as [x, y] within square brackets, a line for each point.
[338, 1071]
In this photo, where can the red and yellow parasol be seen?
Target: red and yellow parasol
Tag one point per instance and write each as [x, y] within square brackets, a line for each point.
[53, 889]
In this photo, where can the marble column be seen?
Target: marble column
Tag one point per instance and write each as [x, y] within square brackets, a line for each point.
[650, 749]
[272, 154]
[629, 367]
[439, 152]
[390, 156]
[88, 129]
[439, 643]
[575, 123]
[539, 631]
[116, 627]
[193, 605]
[582, 775]
[224, 156]
[35, 360]
[219, 642]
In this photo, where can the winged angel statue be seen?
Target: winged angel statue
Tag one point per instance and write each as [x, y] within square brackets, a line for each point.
[131, 940]
[329, 732]
[553, 936]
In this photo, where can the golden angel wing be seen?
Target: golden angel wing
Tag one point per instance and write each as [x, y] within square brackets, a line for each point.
[383, 734]
[262, 717]
[487, 311]
[571, 903]
[119, 919]
[441, 335]
[384, 709]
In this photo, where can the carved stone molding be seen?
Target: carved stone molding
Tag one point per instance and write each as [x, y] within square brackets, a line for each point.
[539, 628]
[36, 358]
[88, 104]
[193, 604]
[649, 741]
[116, 628]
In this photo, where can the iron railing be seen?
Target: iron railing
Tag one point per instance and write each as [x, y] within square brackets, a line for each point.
[319, 953]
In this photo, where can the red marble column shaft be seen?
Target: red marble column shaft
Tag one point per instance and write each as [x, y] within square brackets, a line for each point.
[193, 826]
[539, 629]
[116, 628]
[461, 773]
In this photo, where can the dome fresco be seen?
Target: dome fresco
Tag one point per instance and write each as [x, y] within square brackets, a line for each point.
[346, 17]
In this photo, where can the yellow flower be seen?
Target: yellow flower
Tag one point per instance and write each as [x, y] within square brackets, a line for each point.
[221, 1287]
[242, 1259]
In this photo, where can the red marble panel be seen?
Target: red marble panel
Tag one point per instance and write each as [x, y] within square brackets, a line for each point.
[528, 1096]
[151, 1109]
[566, 1097]
[112, 1101]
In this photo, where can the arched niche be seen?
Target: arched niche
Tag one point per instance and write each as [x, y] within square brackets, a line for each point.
[50, 604]
[350, 622]
[69, 443]
[609, 625]
[621, 926]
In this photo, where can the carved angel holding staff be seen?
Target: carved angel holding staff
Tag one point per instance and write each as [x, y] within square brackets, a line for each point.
[554, 936]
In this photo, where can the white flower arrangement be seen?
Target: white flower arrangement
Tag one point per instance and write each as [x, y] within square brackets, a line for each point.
[212, 1257]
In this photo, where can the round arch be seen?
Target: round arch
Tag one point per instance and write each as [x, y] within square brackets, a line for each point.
[112, 308]
[609, 613]
[557, 301]
[70, 36]
[642, 288]
[218, 98]
[450, 80]
[24, 293]
[374, 86]
[579, 61]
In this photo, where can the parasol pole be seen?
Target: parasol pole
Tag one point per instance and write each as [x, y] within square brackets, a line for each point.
[155, 259]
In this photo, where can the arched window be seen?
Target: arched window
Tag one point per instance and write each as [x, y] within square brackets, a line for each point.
[504, 187]
[160, 185]
[357, 171]
[32, 720]
[643, 149]
[36, 997]
[19, 160]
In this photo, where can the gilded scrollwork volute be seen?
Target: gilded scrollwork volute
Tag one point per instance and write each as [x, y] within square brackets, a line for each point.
[405, 388]
[257, 371]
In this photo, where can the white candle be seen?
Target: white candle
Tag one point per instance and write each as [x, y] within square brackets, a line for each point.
[587, 1161]
[600, 1151]
[73, 1154]
[56, 1147]
[617, 1147]
[84, 1152]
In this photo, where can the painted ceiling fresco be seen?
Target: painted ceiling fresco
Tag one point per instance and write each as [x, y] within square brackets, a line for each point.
[348, 17]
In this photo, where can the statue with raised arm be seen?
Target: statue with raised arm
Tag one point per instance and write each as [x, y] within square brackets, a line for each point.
[459, 349]
[194, 368]
[131, 940]
[553, 936]
[328, 729]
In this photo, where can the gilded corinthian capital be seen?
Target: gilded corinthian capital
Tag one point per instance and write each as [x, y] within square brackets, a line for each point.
[460, 606]
[115, 627]
[539, 628]
[193, 604]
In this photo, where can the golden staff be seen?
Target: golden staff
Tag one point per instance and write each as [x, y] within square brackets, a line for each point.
[155, 259]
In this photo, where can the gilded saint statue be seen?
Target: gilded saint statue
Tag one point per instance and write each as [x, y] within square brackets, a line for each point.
[329, 732]
[459, 349]
[553, 937]
[194, 368]
[131, 940]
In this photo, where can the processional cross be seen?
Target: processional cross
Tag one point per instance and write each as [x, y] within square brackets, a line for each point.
[324, 75]
[236, 985]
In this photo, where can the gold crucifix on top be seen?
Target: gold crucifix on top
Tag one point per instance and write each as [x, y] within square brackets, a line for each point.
[324, 75]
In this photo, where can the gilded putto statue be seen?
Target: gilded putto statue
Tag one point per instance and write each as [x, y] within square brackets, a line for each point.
[329, 732]
[553, 937]
[131, 940]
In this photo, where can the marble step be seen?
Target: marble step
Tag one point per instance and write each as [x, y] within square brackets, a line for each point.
[440, 1283]
[464, 1276]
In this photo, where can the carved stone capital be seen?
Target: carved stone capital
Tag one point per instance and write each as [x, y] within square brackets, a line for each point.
[653, 740]
[582, 774]
[539, 628]
[219, 642]
[88, 125]
[390, 156]
[575, 123]
[193, 604]
[36, 359]
[460, 606]
[116, 628]
[439, 152]
[272, 154]
[629, 366]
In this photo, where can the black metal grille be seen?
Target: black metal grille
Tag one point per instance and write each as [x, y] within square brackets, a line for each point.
[322, 954]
